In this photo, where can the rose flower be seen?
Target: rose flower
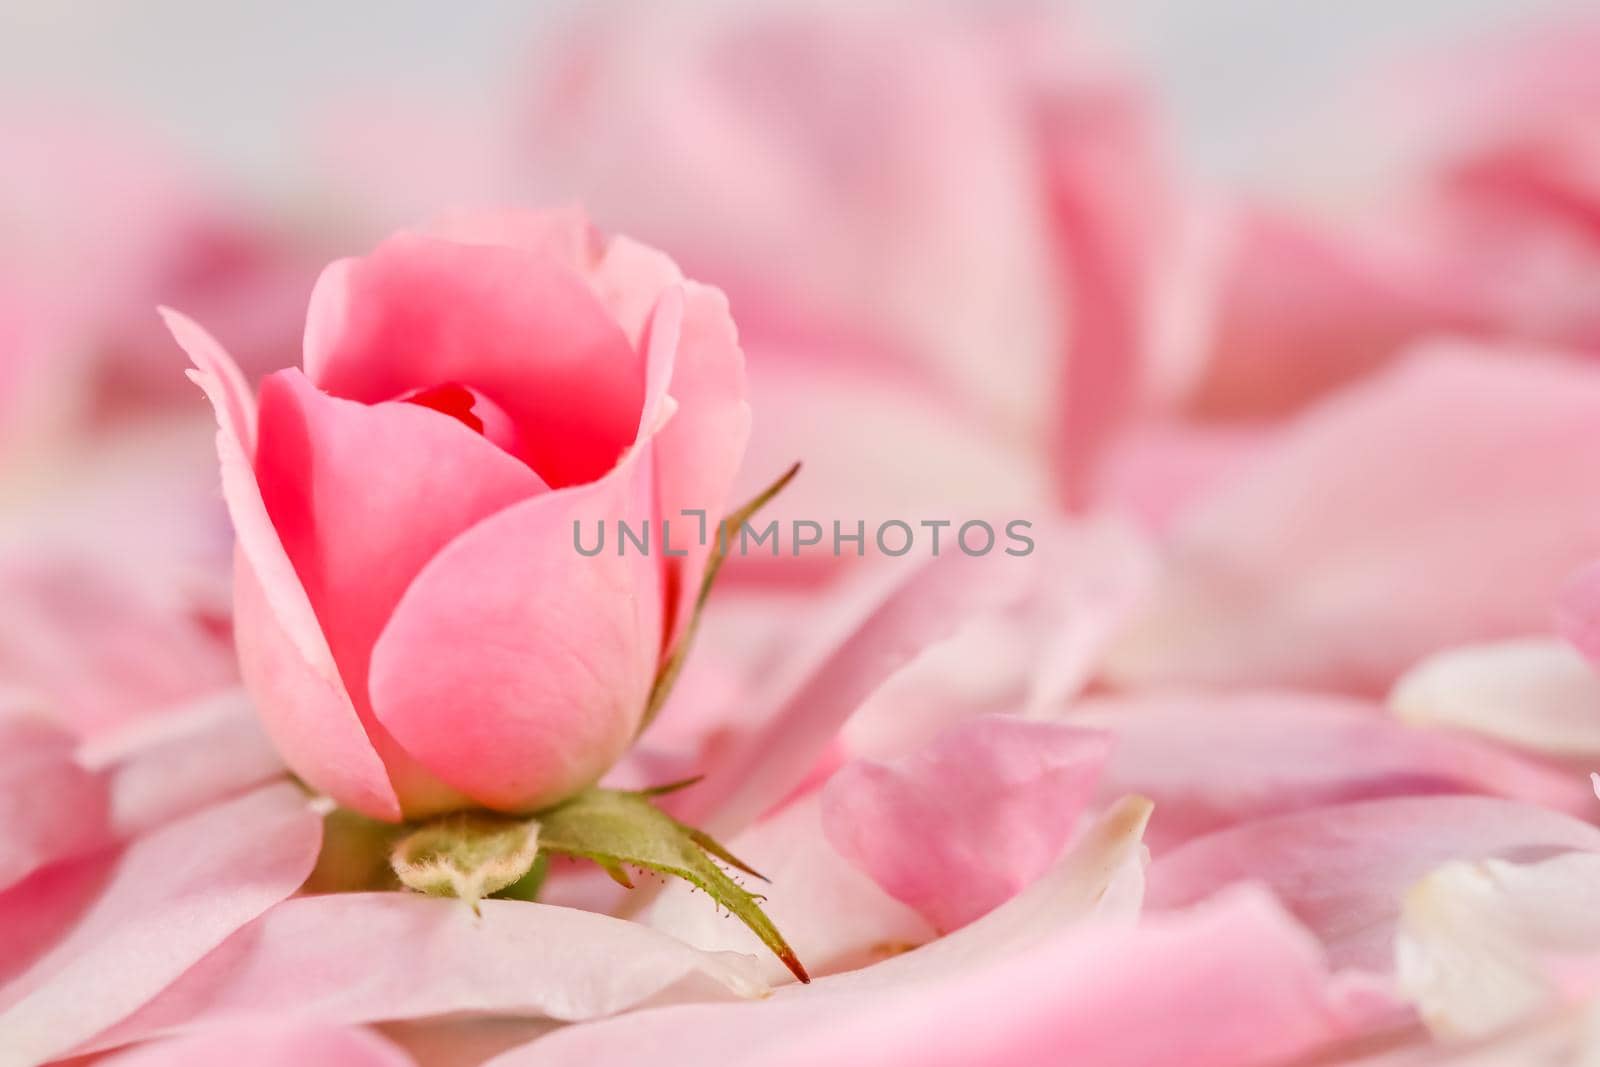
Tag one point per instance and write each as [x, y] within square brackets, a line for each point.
[413, 617]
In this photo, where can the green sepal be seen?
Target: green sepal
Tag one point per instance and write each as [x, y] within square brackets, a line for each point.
[727, 530]
[469, 855]
[618, 829]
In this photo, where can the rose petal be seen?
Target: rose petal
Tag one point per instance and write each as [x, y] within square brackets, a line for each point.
[1344, 869]
[961, 826]
[1340, 560]
[182, 761]
[51, 807]
[1231, 984]
[518, 326]
[514, 668]
[282, 650]
[152, 911]
[359, 533]
[1578, 613]
[1483, 946]
[269, 1046]
[1269, 753]
[1537, 694]
[364, 957]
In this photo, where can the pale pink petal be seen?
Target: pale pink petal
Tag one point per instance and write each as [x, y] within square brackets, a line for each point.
[367, 957]
[1029, 655]
[1341, 559]
[515, 669]
[1344, 869]
[51, 807]
[845, 927]
[182, 761]
[282, 650]
[1538, 694]
[927, 601]
[518, 326]
[1486, 945]
[961, 826]
[1234, 983]
[315, 727]
[1578, 612]
[359, 531]
[269, 1045]
[1158, 470]
[153, 910]
[1269, 753]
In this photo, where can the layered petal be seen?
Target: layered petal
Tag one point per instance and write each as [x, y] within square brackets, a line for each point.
[270, 1045]
[1538, 694]
[283, 653]
[1486, 945]
[1233, 983]
[1578, 611]
[517, 325]
[368, 957]
[1343, 558]
[1270, 753]
[358, 532]
[51, 806]
[87, 943]
[1344, 869]
[960, 827]
[514, 669]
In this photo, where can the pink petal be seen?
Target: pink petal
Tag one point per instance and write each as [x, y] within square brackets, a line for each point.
[926, 602]
[961, 826]
[1485, 946]
[1578, 612]
[269, 1045]
[1269, 753]
[282, 650]
[515, 669]
[183, 761]
[1339, 561]
[151, 912]
[1232, 984]
[1537, 694]
[518, 326]
[51, 807]
[366, 957]
[697, 452]
[1344, 869]
[359, 533]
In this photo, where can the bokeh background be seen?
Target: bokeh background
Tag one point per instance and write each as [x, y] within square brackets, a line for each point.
[237, 82]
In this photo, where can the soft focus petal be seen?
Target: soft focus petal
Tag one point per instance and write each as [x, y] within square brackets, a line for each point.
[182, 761]
[270, 1045]
[157, 907]
[1578, 613]
[367, 957]
[1438, 505]
[1231, 984]
[1344, 869]
[1485, 945]
[960, 827]
[513, 668]
[1537, 694]
[51, 807]
[518, 326]
[925, 603]
[1269, 753]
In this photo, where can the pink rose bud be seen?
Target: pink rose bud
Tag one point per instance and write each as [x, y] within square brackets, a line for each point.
[413, 616]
